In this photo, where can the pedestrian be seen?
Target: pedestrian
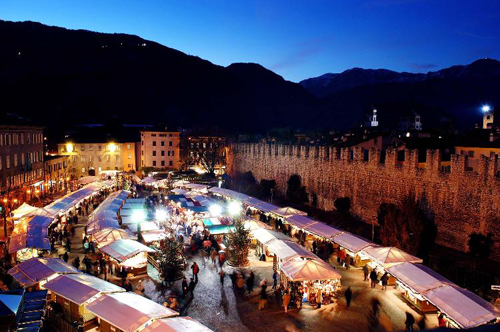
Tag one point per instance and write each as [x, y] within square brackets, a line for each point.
[373, 278]
[195, 269]
[348, 296]
[192, 285]
[384, 280]
[421, 323]
[240, 283]
[277, 295]
[184, 287]
[221, 276]
[365, 272]
[105, 272]
[441, 321]
[319, 298]
[203, 256]
[233, 277]
[409, 322]
[286, 300]
[315, 247]
[76, 262]
[222, 258]
[275, 279]
[263, 298]
[213, 256]
[65, 257]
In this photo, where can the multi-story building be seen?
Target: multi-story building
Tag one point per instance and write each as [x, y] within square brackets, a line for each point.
[21, 157]
[204, 153]
[160, 149]
[93, 158]
[56, 173]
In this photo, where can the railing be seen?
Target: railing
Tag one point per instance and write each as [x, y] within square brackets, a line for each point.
[153, 262]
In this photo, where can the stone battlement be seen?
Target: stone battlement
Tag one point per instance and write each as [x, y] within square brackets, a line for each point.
[462, 201]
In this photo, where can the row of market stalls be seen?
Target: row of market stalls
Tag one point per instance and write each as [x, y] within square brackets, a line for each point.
[30, 233]
[96, 304]
[421, 286]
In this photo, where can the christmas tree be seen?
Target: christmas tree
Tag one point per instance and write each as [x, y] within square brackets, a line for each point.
[238, 245]
[172, 262]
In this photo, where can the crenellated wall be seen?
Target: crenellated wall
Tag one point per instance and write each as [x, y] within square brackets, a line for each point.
[462, 201]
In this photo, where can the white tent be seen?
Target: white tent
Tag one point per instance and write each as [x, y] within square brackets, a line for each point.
[108, 235]
[351, 242]
[389, 256]
[265, 236]
[418, 277]
[87, 179]
[180, 183]
[23, 210]
[286, 250]
[177, 324]
[462, 306]
[323, 230]
[179, 191]
[266, 207]
[309, 269]
[253, 225]
[196, 186]
[286, 212]
[300, 221]
[148, 180]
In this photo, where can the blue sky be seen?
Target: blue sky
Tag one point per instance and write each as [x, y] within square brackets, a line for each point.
[296, 39]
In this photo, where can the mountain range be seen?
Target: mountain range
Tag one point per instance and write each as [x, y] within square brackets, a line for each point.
[58, 77]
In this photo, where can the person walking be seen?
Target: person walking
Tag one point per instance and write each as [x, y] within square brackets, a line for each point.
[240, 283]
[195, 269]
[184, 287]
[366, 271]
[263, 298]
[275, 279]
[384, 279]
[250, 282]
[76, 262]
[221, 277]
[319, 298]
[409, 322]
[373, 278]
[348, 296]
[65, 257]
[286, 300]
[213, 257]
[192, 285]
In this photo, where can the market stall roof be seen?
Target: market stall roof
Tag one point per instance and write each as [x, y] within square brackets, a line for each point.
[388, 256]
[266, 207]
[265, 236]
[179, 191]
[35, 270]
[418, 277]
[87, 179]
[108, 235]
[128, 311]
[309, 269]
[351, 242]
[229, 193]
[462, 306]
[31, 232]
[106, 214]
[286, 212]
[180, 183]
[286, 250]
[145, 226]
[123, 249]
[136, 201]
[152, 236]
[68, 201]
[323, 230]
[177, 324]
[196, 186]
[253, 225]
[23, 210]
[79, 288]
[300, 221]
[220, 229]
[252, 201]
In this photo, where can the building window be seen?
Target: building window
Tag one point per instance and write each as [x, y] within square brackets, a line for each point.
[173, 152]
[22, 158]
[107, 158]
[91, 147]
[129, 156]
[100, 169]
[22, 138]
[83, 169]
[74, 158]
[154, 153]
[170, 163]
[154, 162]
[154, 143]
[82, 159]
[162, 143]
[99, 148]
[142, 152]
[15, 160]
[82, 148]
[471, 154]
[162, 153]
[169, 143]
[163, 163]
[153, 135]
[128, 146]
[116, 158]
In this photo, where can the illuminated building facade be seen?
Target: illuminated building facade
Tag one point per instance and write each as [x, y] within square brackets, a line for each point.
[160, 149]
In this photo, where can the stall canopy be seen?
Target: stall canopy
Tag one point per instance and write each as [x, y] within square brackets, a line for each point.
[309, 269]
[196, 186]
[123, 249]
[266, 207]
[253, 225]
[87, 179]
[34, 270]
[286, 212]
[462, 306]
[69, 201]
[418, 277]
[286, 250]
[148, 180]
[300, 221]
[323, 230]
[180, 183]
[23, 210]
[351, 242]
[108, 235]
[229, 193]
[79, 288]
[153, 236]
[128, 311]
[145, 227]
[106, 215]
[177, 324]
[179, 191]
[252, 201]
[265, 236]
[31, 232]
[388, 256]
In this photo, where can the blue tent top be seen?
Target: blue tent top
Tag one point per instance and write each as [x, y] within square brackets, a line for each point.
[197, 209]
[11, 301]
[220, 229]
[31, 233]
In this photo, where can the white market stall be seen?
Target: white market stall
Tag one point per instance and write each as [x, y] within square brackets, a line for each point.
[389, 256]
[286, 250]
[106, 214]
[130, 254]
[286, 212]
[30, 236]
[21, 211]
[37, 271]
[108, 235]
[352, 246]
[177, 324]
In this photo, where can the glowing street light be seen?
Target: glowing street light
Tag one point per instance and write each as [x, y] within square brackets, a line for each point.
[161, 215]
[215, 210]
[138, 216]
[486, 108]
[112, 147]
[234, 208]
[69, 147]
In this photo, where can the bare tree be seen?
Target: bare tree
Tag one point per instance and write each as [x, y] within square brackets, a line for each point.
[209, 154]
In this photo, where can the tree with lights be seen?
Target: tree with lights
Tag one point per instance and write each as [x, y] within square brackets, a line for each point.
[172, 262]
[238, 245]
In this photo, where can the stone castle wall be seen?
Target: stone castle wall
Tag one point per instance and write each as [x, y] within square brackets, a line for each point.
[462, 201]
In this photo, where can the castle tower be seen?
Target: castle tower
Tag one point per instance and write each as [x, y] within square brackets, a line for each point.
[373, 119]
[487, 117]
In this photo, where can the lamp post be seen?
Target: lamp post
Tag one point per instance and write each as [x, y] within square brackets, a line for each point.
[5, 211]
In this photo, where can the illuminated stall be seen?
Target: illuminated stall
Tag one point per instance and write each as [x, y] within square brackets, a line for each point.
[262, 237]
[176, 324]
[130, 254]
[353, 246]
[29, 237]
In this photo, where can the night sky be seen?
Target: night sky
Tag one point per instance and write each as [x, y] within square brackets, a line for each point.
[296, 39]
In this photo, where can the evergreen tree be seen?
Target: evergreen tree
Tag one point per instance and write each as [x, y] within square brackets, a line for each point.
[172, 261]
[238, 245]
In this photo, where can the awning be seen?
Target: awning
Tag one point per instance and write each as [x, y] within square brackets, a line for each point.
[196, 186]
[123, 249]
[265, 236]
[108, 235]
[308, 270]
[323, 230]
[87, 179]
[351, 242]
[153, 236]
[253, 225]
[128, 311]
[177, 324]
[179, 191]
[462, 306]
[31, 232]
[106, 214]
[300, 221]
[145, 226]
[69, 201]
[180, 183]
[286, 212]
[229, 193]
[34, 270]
[79, 288]
[389, 256]
[286, 250]
[266, 207]
[23, 210]
[418, 277]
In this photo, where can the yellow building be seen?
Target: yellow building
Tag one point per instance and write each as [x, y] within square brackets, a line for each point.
[474, 153]
[93, 158]
[160, 149]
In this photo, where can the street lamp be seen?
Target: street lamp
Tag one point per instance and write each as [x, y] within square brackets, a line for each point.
[234, 208]
[215, 210]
